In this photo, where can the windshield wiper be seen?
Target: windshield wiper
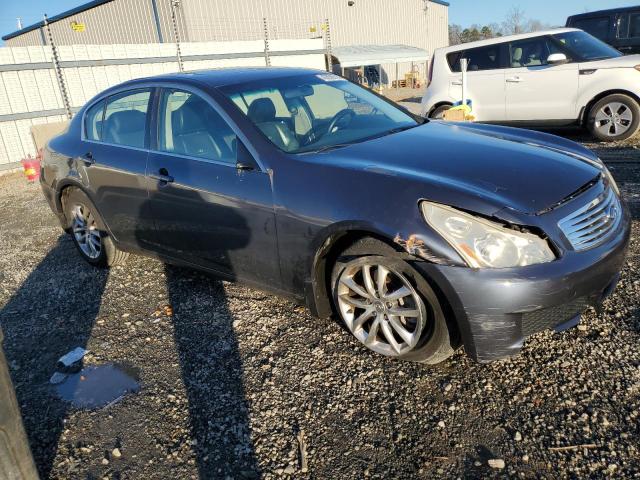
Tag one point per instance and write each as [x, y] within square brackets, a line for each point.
[327, 148]
[391, 132]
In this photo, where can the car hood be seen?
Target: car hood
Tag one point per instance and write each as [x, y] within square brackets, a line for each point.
[506, 167]
[625, 61]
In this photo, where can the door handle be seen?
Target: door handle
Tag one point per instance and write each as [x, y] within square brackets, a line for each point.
[88, 159]
[456, 82]
[514, 80]
[162, 176]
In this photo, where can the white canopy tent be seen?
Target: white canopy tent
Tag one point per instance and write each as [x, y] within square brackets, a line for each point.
[363, 55]
[360, 56]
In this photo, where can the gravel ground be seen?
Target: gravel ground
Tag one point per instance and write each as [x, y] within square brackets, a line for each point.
[231, 376]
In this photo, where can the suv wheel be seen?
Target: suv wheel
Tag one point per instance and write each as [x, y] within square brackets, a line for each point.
[388, 306]
[614, 118]
[94, 244]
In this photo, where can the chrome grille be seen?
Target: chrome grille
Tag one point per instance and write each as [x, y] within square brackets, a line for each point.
[591, 224]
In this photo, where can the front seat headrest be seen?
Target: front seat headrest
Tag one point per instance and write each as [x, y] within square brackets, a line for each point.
[262, 110]
[517, 57]
[189, 117]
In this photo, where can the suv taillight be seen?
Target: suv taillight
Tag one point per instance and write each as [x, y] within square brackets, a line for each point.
[431, 72]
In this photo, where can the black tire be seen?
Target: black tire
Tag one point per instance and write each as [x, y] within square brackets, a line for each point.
[438, 341]
[108, 255]
[596, 127]
[438, 112]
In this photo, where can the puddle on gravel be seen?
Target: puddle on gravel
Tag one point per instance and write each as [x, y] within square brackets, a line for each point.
[96, 386]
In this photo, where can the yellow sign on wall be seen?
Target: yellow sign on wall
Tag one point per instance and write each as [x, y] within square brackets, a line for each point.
[77, 27]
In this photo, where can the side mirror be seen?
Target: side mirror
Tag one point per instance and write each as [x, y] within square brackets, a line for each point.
[244, 160]
[557, 59]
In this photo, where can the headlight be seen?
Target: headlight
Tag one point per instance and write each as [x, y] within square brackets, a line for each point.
[485, 244]
[611, 181]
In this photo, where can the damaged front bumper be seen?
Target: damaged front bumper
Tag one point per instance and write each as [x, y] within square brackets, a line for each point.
[496, 309]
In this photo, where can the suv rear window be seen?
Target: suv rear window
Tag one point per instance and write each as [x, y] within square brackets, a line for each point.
[481, 58]
[597, 26]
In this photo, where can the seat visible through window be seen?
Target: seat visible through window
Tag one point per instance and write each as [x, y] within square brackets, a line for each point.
[190, 126]
[125, 119]
[262, 111]
[125, 128]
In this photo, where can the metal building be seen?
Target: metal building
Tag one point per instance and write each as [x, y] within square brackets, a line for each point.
[416, 23]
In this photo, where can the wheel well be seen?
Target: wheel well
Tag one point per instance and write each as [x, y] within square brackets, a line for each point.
[324, 259]
[64, 191]
[322, 306]
[600, 96]
[438, 105]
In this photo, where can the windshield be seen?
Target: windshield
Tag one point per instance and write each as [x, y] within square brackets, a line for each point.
[316, 112]
[584, 47]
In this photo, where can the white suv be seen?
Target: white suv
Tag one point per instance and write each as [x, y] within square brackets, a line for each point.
[554, 78]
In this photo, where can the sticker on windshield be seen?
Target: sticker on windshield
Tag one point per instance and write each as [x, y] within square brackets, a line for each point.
[329, 77]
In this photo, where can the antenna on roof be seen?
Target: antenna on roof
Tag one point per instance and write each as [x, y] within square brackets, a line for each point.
[19, 20]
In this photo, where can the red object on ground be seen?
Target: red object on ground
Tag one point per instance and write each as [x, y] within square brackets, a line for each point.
[31, 167]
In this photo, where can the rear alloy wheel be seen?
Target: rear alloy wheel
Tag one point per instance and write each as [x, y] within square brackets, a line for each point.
[614, 118]
[85, 232]
[381, 308]
[88, 232]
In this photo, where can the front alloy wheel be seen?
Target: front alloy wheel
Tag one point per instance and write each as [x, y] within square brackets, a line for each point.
[381, 308]
[614, 119]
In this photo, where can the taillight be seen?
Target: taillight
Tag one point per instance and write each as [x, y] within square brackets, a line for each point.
[431, 72]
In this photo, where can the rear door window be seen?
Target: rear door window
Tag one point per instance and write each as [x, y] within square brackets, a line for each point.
[125, 118]
[596, 26]
[482, 58]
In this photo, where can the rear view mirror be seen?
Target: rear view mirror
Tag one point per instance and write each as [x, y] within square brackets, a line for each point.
[557, 59]
[297, 92]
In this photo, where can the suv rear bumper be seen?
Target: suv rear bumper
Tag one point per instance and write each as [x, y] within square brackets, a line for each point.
[496, 309]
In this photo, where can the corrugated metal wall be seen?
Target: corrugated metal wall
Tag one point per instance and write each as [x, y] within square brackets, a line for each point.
[34, 37]
[412, 22]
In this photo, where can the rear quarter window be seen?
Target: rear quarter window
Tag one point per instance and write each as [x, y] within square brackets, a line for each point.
[93, 122]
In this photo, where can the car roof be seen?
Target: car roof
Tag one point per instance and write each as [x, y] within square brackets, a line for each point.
[506, 38]
[220, 77]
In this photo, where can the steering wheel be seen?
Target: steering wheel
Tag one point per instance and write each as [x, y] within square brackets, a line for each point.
[340, 119]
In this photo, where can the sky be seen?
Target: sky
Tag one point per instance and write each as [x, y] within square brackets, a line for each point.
[552, 12]
[462, 12]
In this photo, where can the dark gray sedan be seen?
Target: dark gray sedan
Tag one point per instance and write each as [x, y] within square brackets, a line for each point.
[419, 235]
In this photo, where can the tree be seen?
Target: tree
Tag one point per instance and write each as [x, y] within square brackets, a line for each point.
[486, 32]
[534, 25]
[455, 34]
[514, 21]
